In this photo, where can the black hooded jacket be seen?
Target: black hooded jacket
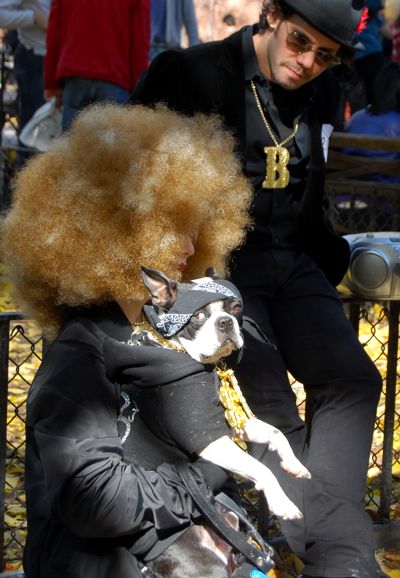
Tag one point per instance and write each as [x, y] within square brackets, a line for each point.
[91, 510]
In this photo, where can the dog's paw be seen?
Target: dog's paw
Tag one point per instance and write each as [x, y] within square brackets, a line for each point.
[286, 510]
[278, 502]
[295, 469]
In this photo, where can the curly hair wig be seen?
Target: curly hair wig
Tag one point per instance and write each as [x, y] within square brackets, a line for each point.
[124, 187]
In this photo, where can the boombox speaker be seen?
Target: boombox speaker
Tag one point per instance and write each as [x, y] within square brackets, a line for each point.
[374, 270]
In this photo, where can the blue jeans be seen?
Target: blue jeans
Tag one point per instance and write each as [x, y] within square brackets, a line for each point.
[80, 92]
[157, 47]
[28, 68]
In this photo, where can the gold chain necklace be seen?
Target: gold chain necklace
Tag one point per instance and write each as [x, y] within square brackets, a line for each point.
[277, 175]
[237, 410]
[146, 326]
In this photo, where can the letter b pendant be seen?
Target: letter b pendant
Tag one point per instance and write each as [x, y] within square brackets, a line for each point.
[277, 175]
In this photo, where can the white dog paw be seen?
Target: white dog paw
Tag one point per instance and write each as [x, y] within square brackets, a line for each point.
[295, 469]
[286, 511]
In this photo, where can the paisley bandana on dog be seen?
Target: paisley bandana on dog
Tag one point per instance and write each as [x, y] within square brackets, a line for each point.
[192, 297]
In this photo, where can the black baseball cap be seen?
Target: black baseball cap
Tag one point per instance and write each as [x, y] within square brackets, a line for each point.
[337, 19]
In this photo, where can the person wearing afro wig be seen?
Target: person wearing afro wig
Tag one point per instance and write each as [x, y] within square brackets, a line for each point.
[126, 186]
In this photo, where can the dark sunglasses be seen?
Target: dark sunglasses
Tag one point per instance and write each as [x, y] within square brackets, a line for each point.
[298, 43]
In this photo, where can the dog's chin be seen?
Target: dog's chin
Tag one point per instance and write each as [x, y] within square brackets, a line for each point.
[224, 350]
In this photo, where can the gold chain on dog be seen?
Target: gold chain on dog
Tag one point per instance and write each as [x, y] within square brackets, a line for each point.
[145, 326]
[237, 410]
[277, 175]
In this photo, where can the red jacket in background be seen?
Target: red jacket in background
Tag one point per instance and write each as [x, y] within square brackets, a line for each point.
[105, 40]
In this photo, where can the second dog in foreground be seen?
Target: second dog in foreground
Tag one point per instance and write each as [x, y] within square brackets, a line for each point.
[200, 317]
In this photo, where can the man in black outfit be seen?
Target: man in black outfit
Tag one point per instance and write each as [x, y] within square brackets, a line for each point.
[271, 86]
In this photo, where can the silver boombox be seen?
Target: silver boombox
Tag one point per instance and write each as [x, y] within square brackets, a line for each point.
[374, 270]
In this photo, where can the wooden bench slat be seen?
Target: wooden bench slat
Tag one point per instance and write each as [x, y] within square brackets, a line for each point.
[344, 139]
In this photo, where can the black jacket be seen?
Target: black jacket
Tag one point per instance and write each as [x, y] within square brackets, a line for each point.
[209, 78]
[90, 511]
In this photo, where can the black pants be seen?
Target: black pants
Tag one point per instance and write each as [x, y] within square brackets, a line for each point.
[300, 313]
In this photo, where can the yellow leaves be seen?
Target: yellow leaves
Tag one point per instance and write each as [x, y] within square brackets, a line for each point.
[396, 470]
[288, 564]
[390, 562]
[14, 481]
[293, 564]
[12, 567]
[15, 516]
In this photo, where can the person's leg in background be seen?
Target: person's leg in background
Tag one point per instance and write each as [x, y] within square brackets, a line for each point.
[323, 352]
[157, 48]
[81, 92]
[320, 349]
[28, 68]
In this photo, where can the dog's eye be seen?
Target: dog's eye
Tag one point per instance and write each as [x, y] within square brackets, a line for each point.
[199, 316]
[233, 306]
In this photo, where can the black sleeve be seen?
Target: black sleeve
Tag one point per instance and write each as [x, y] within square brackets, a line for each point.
[192, 413]
[75, 452]
[163, 82]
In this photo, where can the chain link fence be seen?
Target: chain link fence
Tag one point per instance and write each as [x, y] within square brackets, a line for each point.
[20, 355]
[364, 207]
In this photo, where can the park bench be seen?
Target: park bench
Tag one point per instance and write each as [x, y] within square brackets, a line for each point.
[356, 203]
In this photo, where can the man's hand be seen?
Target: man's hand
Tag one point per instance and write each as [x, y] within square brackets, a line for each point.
[41, 19]
[54, 93]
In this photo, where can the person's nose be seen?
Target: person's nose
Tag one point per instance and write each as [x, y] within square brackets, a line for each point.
[189, 249]
[307, 59]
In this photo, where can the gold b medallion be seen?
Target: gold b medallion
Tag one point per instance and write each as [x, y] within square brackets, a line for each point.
[276, 173]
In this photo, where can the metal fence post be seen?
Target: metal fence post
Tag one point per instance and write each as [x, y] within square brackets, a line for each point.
[390, 410]
[4, 346]
[354, 315]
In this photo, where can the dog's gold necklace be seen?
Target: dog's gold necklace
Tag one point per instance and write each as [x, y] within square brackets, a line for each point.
[276, 175]
[146, 326]
[237, 410]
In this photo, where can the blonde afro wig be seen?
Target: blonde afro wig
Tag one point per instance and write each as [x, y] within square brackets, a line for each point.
[124, 187]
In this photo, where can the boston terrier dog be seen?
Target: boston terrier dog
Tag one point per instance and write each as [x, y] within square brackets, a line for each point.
[201, 317]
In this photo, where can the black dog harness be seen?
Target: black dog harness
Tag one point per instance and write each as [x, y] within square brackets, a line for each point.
[251, 560]
[258, 557]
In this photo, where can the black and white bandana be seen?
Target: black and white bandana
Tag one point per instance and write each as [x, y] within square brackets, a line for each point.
[195, 295]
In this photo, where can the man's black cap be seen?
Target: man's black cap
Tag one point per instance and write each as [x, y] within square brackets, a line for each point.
[337, 19]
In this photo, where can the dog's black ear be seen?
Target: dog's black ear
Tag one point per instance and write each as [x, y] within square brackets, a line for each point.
[163, 290]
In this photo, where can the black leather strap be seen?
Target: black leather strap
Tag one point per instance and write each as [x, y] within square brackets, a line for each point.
[261, 560]
[230, 504]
